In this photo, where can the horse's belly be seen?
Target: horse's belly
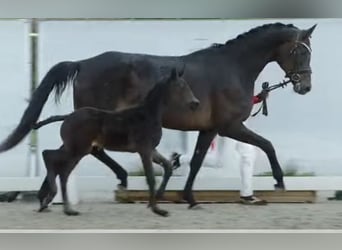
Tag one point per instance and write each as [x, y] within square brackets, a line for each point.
[188, 120]
[121, 148]
[116, 142]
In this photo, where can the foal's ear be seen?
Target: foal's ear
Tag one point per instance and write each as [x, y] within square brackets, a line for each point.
[174, 74]
[305, 34]
[180, 73]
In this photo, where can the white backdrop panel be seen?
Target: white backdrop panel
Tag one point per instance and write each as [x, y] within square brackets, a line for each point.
[14, 92]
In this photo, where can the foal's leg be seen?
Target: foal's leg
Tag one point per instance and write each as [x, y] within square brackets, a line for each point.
[43, 193]
[167, 166]
[121, 173]
[48, 189]
[146, 158]
[69, 162]
[63, 176]
[203, 142]
[44, 189]
[57, 162]
[241, 133]
[46, 194]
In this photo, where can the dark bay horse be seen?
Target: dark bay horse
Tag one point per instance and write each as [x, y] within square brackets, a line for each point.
[137, 129]
[221, 76]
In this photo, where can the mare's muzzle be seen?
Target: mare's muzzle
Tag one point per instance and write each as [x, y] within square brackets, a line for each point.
[300, 85]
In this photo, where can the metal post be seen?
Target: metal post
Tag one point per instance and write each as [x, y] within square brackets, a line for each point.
[33, 144]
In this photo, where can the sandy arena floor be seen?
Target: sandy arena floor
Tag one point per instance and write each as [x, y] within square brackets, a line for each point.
[103, 214]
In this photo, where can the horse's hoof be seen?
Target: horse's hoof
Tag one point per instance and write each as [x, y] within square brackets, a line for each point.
[195, 206]
[71, 212]
[161, 212]
[279, 187]
[44, 209]
[121, 187]
[12, 196]
[9, 196]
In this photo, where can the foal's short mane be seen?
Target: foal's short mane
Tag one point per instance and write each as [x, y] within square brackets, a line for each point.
[158, 89]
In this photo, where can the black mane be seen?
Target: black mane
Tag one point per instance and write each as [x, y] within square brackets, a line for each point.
[255, 31]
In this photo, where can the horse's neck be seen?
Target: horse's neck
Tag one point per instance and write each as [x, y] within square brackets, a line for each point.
[256, 62]
[261, 50]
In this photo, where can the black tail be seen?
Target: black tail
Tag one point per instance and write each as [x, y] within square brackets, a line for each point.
[57, 78]
[51, 119]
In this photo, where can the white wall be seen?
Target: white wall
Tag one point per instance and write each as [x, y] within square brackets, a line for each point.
[14, 91]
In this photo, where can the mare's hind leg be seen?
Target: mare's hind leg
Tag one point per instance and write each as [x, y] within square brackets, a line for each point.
[146, 158]
[239, 132]
[203, 142]
[121, 173]
[167, 166]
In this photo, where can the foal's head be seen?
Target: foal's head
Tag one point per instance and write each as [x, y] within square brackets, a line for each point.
[178, 91]
[294, 58]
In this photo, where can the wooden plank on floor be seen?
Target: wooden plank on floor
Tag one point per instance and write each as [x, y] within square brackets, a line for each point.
[219, 196]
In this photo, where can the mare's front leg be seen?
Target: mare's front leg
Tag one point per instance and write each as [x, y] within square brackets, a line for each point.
[146, 158]
[238, 131]
[167, 166]
[121, 173]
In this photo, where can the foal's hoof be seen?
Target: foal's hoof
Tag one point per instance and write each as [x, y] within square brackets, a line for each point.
[43, 209]
[161, 212]
[195, 206]
[43, 206]
[71, 212]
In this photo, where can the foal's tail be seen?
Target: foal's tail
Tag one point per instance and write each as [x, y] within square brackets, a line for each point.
[58, 77]
[51, 119]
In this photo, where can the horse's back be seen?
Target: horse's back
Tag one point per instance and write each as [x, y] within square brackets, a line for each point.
[112, 58]
[117, 80]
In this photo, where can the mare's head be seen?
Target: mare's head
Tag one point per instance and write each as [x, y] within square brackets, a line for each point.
[294, 57]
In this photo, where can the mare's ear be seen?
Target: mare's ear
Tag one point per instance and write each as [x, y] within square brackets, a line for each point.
[305, 34]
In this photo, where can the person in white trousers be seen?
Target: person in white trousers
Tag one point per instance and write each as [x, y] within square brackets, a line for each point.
[247, 159]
